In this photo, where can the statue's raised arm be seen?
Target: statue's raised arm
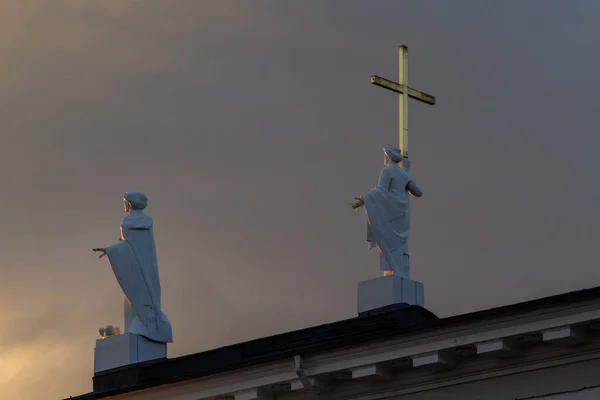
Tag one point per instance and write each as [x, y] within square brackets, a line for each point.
[412, 186]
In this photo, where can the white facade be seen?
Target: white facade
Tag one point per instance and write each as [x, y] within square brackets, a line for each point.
[550, 353]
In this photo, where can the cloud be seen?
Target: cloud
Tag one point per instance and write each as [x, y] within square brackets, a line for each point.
[251, 126]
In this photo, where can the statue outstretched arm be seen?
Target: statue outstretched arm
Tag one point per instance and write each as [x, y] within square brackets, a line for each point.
[385, 182]
[102, 250]
[360, 202]
[414, 189]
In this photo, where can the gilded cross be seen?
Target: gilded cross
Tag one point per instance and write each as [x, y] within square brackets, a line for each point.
[405, 92]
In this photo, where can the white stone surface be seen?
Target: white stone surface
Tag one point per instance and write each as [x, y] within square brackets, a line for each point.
[297, 384]
[495, 346]
[388, 290]
[118, 351]
[253, 394]
[435, 358]
[387, 208]
[547, 369]
[373, 370]
[135, 265]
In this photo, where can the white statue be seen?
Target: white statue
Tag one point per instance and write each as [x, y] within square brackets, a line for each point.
[388, 213]
[134, 263]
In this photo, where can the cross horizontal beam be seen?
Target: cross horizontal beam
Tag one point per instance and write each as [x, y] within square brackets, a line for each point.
[398, 88]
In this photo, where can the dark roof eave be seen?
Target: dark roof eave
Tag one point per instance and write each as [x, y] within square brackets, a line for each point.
[305, 341]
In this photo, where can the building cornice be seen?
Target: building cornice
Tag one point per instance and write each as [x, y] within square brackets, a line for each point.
[433, 354]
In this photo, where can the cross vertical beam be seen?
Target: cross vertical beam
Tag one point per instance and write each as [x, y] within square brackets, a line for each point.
[405, 92]
[403, 100]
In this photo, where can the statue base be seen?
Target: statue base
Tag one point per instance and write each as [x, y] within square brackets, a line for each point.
[126, 349]
[388, 292]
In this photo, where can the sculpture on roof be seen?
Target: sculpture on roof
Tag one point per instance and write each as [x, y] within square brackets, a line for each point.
[387, 209]
[134, 263]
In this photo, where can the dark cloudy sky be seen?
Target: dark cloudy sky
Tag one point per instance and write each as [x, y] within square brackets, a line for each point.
[251, 125]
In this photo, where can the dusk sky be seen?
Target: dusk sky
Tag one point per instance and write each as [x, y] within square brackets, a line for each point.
[251, 125]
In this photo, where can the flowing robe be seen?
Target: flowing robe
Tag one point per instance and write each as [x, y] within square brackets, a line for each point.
[134, 263]
[387, 208]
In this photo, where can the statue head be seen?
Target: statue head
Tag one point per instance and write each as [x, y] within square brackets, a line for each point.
[392, 154]
[135, 200]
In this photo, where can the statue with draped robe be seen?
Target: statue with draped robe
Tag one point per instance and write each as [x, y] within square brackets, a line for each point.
[387, 209]
[134, 263]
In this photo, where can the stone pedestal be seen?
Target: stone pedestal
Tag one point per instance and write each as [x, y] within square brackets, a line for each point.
[388, 291]
[129, 348]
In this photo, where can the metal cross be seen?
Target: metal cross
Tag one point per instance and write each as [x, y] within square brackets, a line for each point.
[405, 92]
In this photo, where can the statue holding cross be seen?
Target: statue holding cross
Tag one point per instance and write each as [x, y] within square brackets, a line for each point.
[387, 205]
